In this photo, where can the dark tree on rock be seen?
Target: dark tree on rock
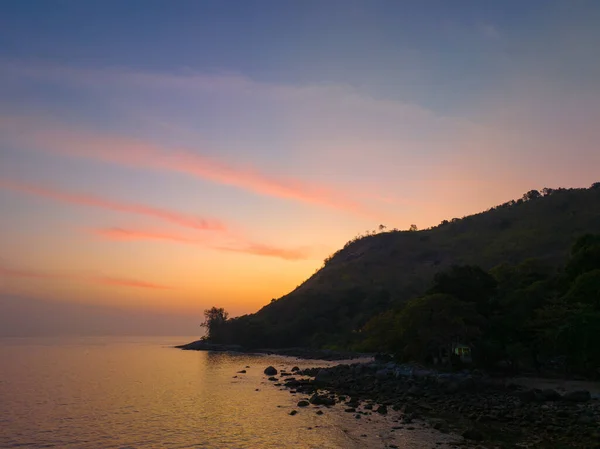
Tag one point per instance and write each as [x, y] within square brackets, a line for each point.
[595, 186]
[413, 228]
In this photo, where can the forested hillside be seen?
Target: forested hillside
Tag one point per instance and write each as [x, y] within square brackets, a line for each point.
[382, 272]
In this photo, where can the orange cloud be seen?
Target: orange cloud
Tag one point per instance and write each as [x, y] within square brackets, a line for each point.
[258, 249]
[271, 251]
[178, 218]
[140, 154]
[105, 280]
[122, 282]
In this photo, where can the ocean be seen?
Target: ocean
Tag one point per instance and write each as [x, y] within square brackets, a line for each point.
[137, 392]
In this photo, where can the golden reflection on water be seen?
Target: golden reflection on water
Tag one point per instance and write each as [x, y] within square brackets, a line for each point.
[140, 393]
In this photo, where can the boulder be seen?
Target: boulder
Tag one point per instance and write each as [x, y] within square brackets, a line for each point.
[550, 395]
[270, 371]
[382, 410]
[473, 434]
[577, 396]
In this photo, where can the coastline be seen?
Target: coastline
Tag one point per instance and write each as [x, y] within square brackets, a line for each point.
[300, 353]
[479, 410]
[485, 412]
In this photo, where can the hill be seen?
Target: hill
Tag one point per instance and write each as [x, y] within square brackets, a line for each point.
[374, 273]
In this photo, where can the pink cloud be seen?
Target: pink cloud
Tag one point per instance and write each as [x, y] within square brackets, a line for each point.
[270, 251]
[238, 245]
[141, 154]
[134, 234]
[178, 218]
[19, 273]
[104, 280]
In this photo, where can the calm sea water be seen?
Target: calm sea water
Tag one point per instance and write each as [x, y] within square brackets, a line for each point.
[141, 393]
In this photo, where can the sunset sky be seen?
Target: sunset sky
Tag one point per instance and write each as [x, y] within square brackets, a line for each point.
[158, 158]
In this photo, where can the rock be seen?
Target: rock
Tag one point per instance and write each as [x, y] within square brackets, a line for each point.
[473, 434]
[242, 371]
[293, 412]
[323, 377]
[415, 391]
[273, 379]
[550, 395]
[526, 396]
[350, 410]
[382, 410]
[357, 416]
[585, 419]
[295, 368]
[317, 399]
[270, 371]
[319, 412]
[577, 396]
[303, 404]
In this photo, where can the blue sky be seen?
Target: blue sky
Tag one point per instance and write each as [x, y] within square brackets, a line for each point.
[295, 125]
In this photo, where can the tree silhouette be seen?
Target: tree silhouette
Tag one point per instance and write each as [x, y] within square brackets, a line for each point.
[214, 318]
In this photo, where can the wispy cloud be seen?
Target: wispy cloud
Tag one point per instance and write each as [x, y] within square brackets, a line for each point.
[123, 282]
[488, 30]
[137, 153]
[236, 244]
[267, 250]
[121, 234]
[95, 279]
[185, 220]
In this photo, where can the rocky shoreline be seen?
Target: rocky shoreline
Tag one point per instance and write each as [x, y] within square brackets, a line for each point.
[486, 412]
[301, 353]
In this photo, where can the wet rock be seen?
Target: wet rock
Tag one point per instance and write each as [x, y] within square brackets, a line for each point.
[473, 434]
[303, 404]
[526, 396]
[242, 371]
[270, 371]
[295, 368]
[293, 412]
[577, 396]
[550, 395]
[323, 377]
[317, 399]
[273, 379]
[319, 412]
[357, 416]
[382, 410]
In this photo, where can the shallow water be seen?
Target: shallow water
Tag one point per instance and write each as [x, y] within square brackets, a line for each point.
[141, 393]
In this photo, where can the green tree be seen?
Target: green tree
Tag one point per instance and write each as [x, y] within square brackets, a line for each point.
[467, 283]
[586, 290]
[429, 325]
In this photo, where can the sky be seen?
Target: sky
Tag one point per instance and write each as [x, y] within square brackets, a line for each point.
[158, 158]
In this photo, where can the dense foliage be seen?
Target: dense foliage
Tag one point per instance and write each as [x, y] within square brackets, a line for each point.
[517, 316]
[504, 282]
